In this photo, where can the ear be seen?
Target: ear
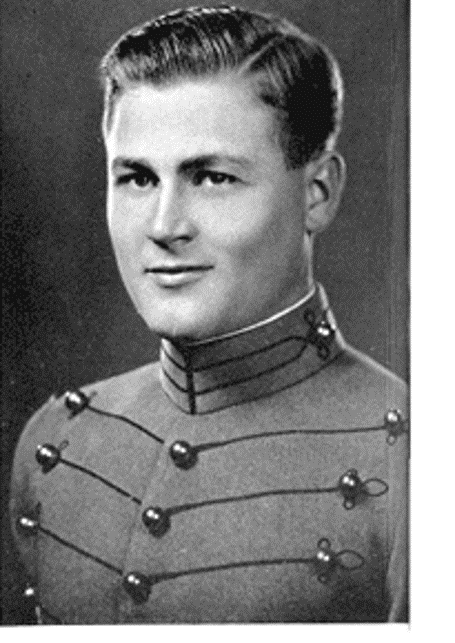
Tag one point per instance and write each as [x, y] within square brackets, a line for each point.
[324, 181]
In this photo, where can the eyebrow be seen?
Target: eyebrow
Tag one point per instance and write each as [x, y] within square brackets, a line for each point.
[188, 165]
[122, 162]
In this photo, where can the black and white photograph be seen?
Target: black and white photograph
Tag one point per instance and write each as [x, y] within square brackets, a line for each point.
[205, 371]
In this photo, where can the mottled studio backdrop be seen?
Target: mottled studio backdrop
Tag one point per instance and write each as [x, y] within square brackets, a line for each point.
[67, 319]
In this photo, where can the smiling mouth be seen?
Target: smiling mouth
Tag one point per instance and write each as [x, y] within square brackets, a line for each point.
[177, 269]
[176, 277]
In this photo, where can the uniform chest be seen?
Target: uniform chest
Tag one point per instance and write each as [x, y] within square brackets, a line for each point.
[235, 536]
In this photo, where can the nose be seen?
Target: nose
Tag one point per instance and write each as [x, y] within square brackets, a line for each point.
[170, 225]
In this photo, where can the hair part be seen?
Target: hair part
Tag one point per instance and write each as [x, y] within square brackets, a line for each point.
[290, 71]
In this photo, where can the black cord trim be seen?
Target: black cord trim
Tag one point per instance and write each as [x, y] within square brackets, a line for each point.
[190, 383]
[243, 380]
[173, 381]
[78, 550]
[307, 340]
[257, 375]
[50, 616]
[250, 496]
[189, 390]
[123, 418]
[172, 360]
[266, 394]
[351, 552]
[96, 476]
[154, 579]
[255, 436]
[381, 492]
[215, 568]
[186, 353]
[229, 360]
[301, 339]
[187, 572]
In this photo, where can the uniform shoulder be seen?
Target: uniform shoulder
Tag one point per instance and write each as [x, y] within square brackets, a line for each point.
[355, 391]
[46, 424]
[118, 391]
[40, 428]
[373, 372]
[369, 383]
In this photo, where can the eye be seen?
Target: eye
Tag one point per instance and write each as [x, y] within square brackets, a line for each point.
[137, 180]
[210, 178]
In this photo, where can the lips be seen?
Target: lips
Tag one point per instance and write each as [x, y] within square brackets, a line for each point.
[178, 275]
[174, 270]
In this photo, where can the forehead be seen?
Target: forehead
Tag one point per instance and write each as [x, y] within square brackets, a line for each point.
[191, 118]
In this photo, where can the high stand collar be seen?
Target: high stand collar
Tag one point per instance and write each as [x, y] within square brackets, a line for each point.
[203, 377]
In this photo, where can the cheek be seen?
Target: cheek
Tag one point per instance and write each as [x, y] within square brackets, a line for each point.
[123, 230]
[254, 230]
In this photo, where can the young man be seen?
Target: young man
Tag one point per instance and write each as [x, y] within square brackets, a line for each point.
[258, 472]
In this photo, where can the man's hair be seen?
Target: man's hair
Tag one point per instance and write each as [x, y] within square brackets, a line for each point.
[289, 70]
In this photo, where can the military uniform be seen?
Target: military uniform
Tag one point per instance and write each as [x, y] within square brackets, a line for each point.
[261, 476]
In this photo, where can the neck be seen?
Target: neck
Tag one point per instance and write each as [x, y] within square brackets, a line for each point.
[252, 362]
[251, 327]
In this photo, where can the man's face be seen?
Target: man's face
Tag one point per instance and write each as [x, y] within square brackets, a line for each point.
[206, 222]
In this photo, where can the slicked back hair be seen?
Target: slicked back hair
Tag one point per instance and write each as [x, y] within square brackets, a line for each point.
[290, 71]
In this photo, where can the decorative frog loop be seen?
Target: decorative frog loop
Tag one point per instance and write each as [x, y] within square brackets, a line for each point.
[321, 334]
[327, 560]
[393, 421]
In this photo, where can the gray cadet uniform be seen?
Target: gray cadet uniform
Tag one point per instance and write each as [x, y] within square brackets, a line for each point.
[258, 477]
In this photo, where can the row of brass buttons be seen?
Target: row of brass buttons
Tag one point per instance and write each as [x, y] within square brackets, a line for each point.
[184, 457]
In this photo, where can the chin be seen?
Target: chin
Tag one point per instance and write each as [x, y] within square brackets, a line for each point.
[180, 329]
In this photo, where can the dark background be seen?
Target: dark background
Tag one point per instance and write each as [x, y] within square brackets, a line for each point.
[66, 318]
